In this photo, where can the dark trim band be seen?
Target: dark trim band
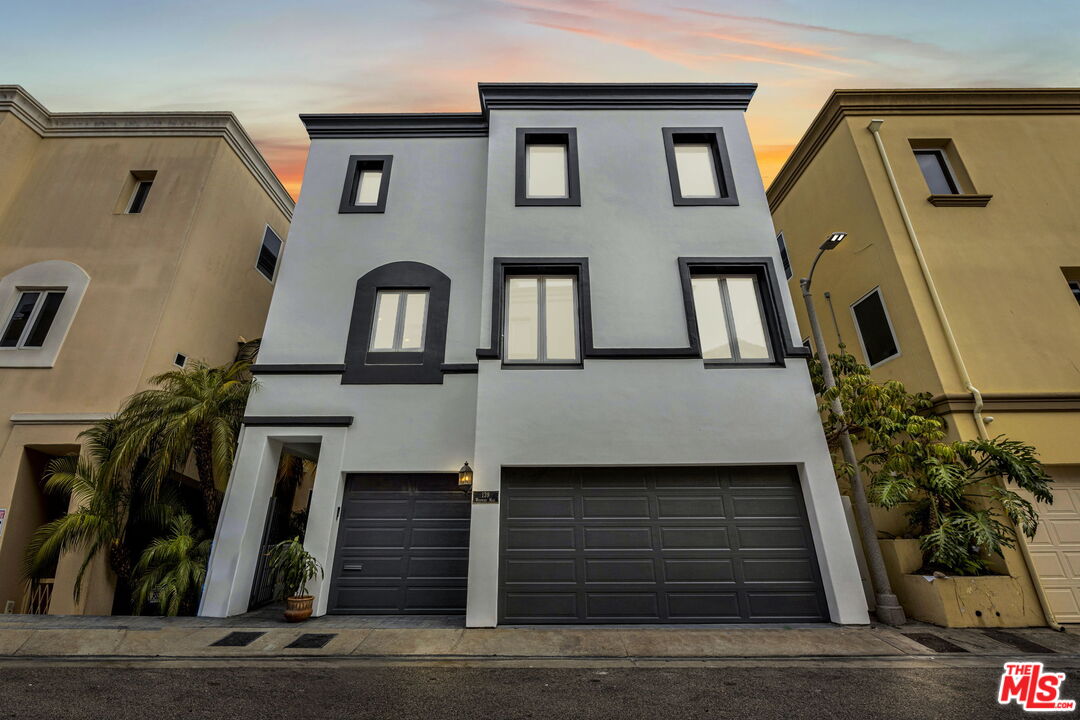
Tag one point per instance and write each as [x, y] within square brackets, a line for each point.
[460, 368]
[298, 420]
[588, 96]
[298, 369]
[1008, 402]
[396, 125]
[959, 200]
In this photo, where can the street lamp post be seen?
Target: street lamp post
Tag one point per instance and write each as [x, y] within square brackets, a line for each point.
[888, 607]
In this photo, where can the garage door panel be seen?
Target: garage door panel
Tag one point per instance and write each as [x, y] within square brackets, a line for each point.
[540, 538]
[690, 508]
[622, 606]
[528, 507]
[601, 507]
[606, 570]
[675, 552]
[403, 546]
[542, 571]
[681, 570]
[705, 606]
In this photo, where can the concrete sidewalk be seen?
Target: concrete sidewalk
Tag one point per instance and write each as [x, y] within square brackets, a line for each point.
[25, 636]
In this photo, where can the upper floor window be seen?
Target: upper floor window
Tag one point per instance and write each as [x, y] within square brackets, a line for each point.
[269, 252]
[541, 319]
[731, 318]
[138, 188]
[367, 180]
[785, 259]
[547, 167]
[698, 167]
[1074, 285]
[32, 318]
[400, 317]
[875, 328]
[935, 168]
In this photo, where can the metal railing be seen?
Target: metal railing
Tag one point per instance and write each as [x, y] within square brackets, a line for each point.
[39, 596]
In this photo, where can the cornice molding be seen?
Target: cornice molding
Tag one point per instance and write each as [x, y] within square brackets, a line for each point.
[603, 96]
[395, 125]
[14, 99]
[926, 101]
[58, 418]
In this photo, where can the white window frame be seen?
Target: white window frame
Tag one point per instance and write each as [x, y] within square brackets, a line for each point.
[43, 292]
[541, 319]
[49, 274]
[729, 319]
[399, 320]
[277, 260]
[888, 320]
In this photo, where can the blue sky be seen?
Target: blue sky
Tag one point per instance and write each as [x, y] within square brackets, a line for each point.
[268, 61]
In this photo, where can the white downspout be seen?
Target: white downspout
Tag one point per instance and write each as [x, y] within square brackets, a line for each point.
[954, 350]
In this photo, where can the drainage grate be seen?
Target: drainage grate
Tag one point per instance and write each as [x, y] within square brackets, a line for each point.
[238, 639]
[935, 642]
[309, 641]
[1020, 643]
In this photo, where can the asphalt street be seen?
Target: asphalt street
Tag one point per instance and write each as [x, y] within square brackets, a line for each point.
[301, 690]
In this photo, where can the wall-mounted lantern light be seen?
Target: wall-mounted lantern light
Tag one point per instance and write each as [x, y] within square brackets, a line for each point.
[464, 477]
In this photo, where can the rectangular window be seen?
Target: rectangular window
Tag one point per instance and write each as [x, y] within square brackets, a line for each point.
[1074, 285]
[367, 180]
[541, 319]
[400, 321]
[698, 167]
[935, 168]
[784, 258]
[731, 318]
[138, 197]
[875, 328]
[32, 318]
[269, 252]
[547, 172]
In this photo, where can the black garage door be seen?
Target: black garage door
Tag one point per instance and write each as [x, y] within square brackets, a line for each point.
[403, 546]
[634, 545]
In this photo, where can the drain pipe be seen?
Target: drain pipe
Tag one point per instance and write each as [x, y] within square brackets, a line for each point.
[954, 349]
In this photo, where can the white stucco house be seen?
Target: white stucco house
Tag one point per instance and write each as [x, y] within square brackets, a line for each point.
[577, 291]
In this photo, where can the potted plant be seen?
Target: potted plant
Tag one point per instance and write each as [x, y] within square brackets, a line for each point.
[292, 568]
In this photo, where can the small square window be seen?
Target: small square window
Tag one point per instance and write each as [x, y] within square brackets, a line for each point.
[935, 169]
[180, 360]
[698, 167]
[547, 167]
[541, 319]
[269, 252]
[400, 321]
[731, 318]
[29, 323]
[875, 328]
[367, 181]
[1074, 285]
[140, 183]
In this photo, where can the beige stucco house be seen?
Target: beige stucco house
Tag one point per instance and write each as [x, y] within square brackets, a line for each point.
[961, 277]
[129, 244]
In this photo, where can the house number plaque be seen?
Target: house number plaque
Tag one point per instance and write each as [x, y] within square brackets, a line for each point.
[483, 497]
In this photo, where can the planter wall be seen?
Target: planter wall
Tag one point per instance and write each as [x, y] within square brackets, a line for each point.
[978, 601]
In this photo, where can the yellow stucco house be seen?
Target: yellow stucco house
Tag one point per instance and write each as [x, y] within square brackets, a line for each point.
[129, 244]
[960, 276]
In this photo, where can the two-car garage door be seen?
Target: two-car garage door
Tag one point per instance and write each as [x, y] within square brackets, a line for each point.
[670, 545]
[587, 545]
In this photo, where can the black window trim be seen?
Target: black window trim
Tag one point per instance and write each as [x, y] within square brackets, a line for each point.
[541, 348]
[277, 258]
[715, 137]
[943, 158]
[888, 321]
[366, 367]
[547, 135]
[785, 256]
[352, 176]
[763, 267]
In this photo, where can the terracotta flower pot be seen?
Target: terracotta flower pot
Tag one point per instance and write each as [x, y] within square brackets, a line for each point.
[298, 609]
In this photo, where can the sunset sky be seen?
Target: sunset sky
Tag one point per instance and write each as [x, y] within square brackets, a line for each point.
[270, 60]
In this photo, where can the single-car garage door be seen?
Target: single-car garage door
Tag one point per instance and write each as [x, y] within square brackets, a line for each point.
[672, 545]
[1056, 547]
[403, 546]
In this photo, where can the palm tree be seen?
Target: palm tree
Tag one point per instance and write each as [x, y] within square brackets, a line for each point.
[103, 499]
[173, 568]
[197, 410]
